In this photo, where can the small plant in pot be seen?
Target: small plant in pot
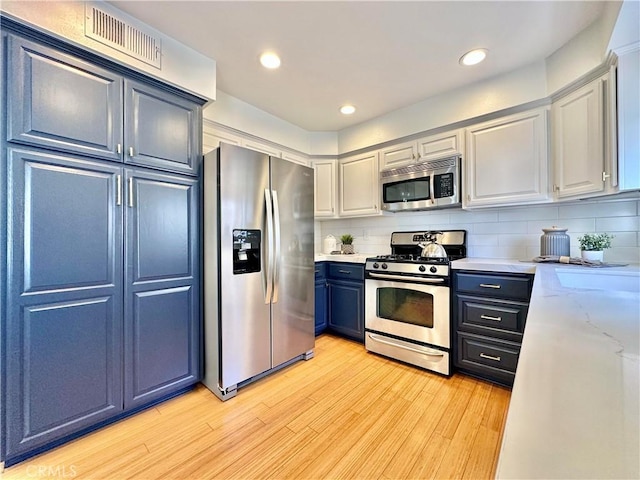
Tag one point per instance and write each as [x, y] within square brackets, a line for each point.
[592, 245]
[347, 243]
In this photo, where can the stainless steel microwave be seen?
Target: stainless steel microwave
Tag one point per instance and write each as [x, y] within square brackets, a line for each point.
[421, 186]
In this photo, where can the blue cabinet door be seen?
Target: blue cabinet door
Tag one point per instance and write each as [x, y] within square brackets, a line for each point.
[161, 130]
[60, 102]
[162, 296]
[64, 297]
[321, 306]
[346, 308]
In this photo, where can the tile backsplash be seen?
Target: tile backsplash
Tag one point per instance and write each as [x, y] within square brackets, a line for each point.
[508, 232]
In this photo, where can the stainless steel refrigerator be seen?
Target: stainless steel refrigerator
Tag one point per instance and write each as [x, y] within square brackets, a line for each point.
[258, 266]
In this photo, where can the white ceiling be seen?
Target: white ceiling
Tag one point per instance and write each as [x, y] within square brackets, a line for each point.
[379, 56]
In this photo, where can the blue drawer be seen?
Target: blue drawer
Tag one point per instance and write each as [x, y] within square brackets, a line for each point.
[346, 271]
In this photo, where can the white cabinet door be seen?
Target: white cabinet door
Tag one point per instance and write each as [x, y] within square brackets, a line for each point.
[398, 155]
[358, 180]
[507, 161]
[578, 141]
[325, 188]
[441, 145]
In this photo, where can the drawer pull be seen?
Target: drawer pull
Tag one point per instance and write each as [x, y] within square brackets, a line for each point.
[489, 285]
[317, 271]
[345, 271]
[489, 357]
[489, 317]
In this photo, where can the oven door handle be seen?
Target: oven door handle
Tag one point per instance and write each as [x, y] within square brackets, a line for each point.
[431, 353]
[412, 279]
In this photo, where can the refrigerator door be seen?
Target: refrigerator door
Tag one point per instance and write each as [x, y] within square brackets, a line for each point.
[293, 291]
[245, 328]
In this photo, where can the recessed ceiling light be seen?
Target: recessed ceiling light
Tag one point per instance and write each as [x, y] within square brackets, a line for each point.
[473, 57]
[270, 60]
[347, 109]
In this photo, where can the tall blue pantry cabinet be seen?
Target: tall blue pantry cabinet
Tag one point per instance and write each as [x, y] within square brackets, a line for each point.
[100, 293]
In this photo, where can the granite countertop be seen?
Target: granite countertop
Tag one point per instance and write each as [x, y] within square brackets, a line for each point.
[574, 409]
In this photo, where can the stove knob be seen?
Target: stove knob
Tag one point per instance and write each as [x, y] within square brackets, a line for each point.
[384, 266]
[375, 265]
[433, 269]
[422, 268]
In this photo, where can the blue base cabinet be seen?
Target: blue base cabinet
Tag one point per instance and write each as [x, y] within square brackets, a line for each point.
[64, 302]
[100, 243]
[162, 306]
[340, 299]
[321, 314]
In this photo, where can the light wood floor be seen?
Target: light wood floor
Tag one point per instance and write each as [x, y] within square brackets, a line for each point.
[344, 414]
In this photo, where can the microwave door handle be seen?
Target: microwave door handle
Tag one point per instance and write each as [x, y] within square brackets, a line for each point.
[431, 188]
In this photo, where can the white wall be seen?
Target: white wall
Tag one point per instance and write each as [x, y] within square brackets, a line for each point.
[512, 233]
[515, 88]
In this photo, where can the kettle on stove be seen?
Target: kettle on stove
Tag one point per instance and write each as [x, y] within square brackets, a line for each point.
[432, 249]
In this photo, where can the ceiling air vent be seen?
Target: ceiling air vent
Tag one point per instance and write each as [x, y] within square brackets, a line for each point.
[120, 34]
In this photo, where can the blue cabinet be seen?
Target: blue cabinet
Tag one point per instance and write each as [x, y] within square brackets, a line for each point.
[103, 299]
[61, 102]
[64, 297]
[346, 299]
[489, 315]
[161, 130]
[321, 295]
[162, 328]
[101, 314]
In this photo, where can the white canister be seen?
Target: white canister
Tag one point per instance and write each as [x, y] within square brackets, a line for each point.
[554, 241]
[329, 244]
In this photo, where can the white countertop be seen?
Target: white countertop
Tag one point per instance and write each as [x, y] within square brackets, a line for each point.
[350, 258]
[574, 409]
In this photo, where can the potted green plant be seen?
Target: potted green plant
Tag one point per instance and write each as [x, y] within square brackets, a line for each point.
[592, 245]
[347, 243]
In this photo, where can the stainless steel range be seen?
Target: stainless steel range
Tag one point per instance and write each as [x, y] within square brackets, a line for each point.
[407, 299]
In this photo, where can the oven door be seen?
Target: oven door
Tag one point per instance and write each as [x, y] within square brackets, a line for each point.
[416, 312]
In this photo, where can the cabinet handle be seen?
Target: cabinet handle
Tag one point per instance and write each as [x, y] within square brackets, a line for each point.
[119, 148]
[317, 271]
[131, 151]
[489, 317]
[131, 192]
[118, 190]
[345, 271]
[605, 176]
[489, 357]
[489, 285]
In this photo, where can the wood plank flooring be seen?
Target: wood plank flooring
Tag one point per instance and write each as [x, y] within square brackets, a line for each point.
[344, 414]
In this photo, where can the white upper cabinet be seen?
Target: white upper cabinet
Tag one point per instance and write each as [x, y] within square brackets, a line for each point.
[325, 192]
[358, 185]
[427, 148]
[507, 161]
[441, 145]
[398, 155]
[579, 140]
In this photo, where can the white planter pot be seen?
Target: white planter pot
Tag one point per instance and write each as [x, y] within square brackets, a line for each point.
[593, 255]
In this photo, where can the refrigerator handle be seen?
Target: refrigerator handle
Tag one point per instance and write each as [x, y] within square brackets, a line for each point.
[276, 263]
[268, 275]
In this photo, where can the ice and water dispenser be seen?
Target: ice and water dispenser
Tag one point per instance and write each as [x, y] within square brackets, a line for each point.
[246, 251]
